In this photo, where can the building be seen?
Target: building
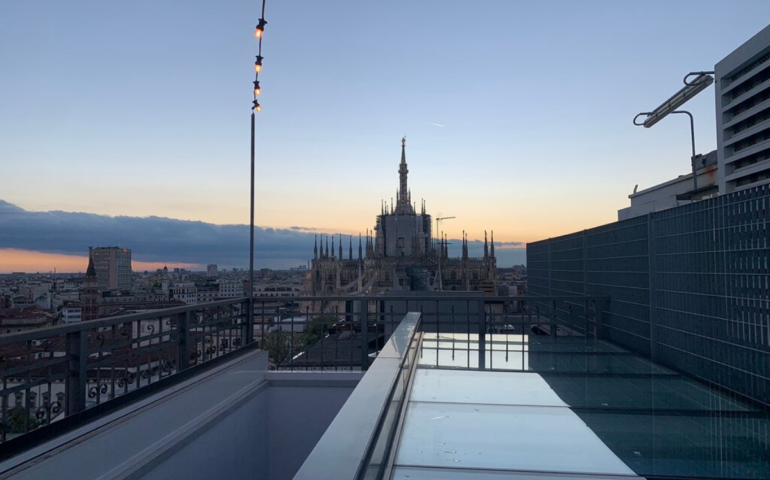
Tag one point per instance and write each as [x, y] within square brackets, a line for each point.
[185, 292]
[276, 291]
[24, 319]
[113, 267]
[742, 157]
[400, 254]
[676, 192]
[71, 312]
[743, 115]
[89, 295]
[120, 302]
[231, 289]
[211, 271]
[207, 292]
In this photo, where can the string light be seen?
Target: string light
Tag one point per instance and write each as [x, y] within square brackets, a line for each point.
[258, 33]
[260, 28]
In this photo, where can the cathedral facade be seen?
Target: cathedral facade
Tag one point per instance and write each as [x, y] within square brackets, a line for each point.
[399, 254]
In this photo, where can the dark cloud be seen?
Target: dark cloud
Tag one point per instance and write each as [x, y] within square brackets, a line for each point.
[158, 239]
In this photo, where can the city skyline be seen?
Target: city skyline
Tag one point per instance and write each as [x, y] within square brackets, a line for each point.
[499, 103]
[60, 240]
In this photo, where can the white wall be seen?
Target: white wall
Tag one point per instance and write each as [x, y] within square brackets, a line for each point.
[301, 409]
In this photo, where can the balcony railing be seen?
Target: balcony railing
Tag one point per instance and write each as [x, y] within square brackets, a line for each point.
[344, 333]
[51, 376]
[55, 378]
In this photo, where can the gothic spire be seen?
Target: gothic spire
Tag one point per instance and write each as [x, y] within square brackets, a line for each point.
[446, 246]
[350, 252]
[91, 270]
[486, 247]
[403, 171]
[403, 194]
[359, 246]
[492, 245]
[340, 247]
[315, 248]
[327, 248]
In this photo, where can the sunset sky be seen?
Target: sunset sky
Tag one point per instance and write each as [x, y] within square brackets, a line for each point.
[517, 116]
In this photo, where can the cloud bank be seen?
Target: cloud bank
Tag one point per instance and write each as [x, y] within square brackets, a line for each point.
[159, 239]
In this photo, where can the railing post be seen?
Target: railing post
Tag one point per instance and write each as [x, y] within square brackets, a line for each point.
[249, 334]
[363, 319]
[183, 345]
[482, 318]
[77, 349]
[246, 306]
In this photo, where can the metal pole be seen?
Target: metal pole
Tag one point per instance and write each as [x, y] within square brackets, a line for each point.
[250, 319]
[692, 139]
[440, 251]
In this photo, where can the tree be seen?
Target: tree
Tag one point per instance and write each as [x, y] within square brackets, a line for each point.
[282, 345]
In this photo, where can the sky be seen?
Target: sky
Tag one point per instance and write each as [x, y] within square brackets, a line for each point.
[517, 116]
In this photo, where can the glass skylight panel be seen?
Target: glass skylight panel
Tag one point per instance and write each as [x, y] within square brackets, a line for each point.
[470, 435]
[467, 386]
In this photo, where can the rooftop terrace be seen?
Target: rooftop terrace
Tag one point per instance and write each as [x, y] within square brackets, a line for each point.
[464, 386]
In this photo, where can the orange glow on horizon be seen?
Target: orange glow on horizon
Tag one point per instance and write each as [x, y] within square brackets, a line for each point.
[14, 260]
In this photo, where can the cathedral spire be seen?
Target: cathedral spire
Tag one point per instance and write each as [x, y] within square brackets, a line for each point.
[350, 252]
[327, 248]
[403, 194]
[340, 247]
[492, 245]
[486, 247]
[91, 270]
[359, 247]
[315, 248]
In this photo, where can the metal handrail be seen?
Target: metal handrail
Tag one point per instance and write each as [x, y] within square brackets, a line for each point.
[346, 447]
[16, 337]
[45, 332]
[94, 362]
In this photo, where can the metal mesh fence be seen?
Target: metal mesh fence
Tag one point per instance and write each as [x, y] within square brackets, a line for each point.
[689, 286]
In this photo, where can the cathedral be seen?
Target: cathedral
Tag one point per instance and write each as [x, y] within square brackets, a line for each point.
[399, 254]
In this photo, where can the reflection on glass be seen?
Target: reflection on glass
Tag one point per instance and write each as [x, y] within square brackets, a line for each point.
[569, 405]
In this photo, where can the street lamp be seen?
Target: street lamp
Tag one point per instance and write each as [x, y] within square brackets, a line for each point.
[691, 88]
[441, 252]
[692, 138]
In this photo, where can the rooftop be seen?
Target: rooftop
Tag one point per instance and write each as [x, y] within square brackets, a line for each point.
[419, 387]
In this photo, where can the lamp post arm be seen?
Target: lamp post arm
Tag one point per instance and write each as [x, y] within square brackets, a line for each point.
[699, 75]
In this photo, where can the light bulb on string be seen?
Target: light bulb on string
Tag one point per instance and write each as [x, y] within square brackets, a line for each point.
[260, 29]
